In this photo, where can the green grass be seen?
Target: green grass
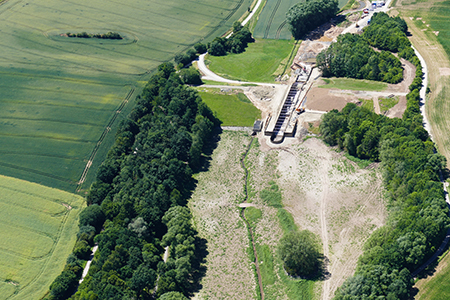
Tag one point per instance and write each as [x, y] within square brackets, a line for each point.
[38, 233]
[362, 163]
[272, 196]
[253, 215]
[351, 4]
[59, 95]
[367, 104]
[286, 220]
[437, 17]
[353, 84]
[259, 63]
[436, 287]
[387, 103]
[266, 268]
[231, 109]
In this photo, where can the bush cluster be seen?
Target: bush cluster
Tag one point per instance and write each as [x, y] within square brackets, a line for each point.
[110, 35]
[418, 218]
[236, 43]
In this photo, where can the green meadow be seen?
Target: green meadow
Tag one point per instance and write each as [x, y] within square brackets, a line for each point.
[38, 230]
[232, 109]
[262, 61]
[353, 84]
[62, 98]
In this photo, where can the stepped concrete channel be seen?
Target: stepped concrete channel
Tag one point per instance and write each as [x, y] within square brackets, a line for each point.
[284, 123]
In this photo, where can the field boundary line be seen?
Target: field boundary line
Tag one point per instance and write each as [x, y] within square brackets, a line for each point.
[102, 137]
[49, 137]
[36, 172]
[63, 210]
[50, 120]
[40, 232]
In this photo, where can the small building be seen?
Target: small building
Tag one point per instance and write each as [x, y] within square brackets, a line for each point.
[257, 126]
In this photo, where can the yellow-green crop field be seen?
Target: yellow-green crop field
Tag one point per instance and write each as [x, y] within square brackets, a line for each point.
[38, 227]
[61, 98]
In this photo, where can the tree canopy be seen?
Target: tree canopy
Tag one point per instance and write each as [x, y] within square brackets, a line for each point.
[139, 199]
[352, 56]
[418, 216]
[305, 16]
[299, 252]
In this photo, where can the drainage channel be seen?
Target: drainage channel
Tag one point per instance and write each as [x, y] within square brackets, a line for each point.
[247, 223]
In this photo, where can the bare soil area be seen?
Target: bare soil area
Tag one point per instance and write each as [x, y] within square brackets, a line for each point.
[215, 210]
[324, 99]
[329, 195]
[324, 191]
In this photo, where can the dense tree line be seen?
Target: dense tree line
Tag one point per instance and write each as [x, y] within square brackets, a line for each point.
[236, 43]
[140, 191]
[418, 214]
[109, 35]
[306, 16]
[352, 56]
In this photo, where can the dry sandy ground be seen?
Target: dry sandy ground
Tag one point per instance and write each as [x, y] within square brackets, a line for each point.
[214, 206]
[324, 192]
[332, 197]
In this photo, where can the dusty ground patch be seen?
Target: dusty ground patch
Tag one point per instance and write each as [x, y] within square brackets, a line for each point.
[214, 206]
[322, 190]
[332, 197]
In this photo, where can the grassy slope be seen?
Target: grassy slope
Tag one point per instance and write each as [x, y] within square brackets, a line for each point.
[259, 63]
[38, 233]
[233, 109]
[353, 84]
[435, 50]
[59, 95]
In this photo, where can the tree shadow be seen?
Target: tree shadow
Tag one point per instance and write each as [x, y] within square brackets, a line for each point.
[198, 264]
[208, 149]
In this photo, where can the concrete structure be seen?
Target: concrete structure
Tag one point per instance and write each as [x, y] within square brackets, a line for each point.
[284, 124]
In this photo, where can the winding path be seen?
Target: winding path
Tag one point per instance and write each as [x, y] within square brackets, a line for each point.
[427, 127]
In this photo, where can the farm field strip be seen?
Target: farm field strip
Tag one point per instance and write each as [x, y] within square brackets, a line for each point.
[67, 92]
[272, 20]
[38, 230]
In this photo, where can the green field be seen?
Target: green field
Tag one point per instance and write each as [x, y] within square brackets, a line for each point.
[231, 109]
[38, 230]
[353, 84]
[436, 287]
[272, 20]
[262, 61]
[61, 98]
[436, 19]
